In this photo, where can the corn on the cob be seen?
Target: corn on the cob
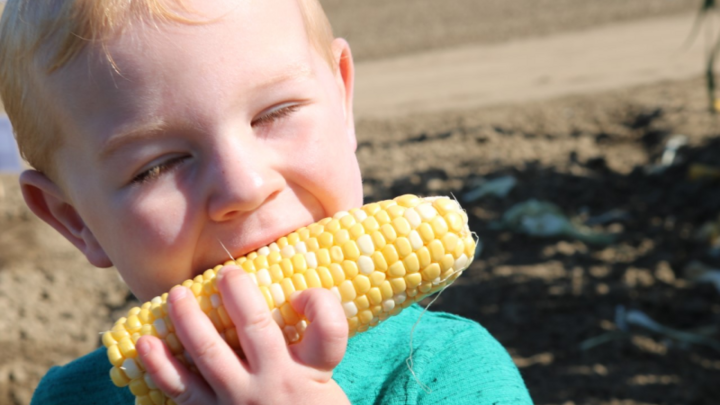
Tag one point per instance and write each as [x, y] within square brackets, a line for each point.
[377, 259]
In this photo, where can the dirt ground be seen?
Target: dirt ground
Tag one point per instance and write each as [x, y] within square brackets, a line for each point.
[541, 298]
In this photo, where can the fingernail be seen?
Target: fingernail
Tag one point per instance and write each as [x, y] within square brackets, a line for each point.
[176, 294]
[225, 269]
[142, 347]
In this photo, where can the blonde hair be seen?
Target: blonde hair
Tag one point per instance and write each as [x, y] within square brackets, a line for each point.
[65, 28]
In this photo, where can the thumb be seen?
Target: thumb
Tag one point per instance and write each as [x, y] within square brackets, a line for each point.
[325, 339]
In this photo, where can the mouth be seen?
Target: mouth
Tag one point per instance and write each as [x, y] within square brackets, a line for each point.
[237, 248]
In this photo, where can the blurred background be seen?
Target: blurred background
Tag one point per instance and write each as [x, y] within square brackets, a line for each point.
[578, 136]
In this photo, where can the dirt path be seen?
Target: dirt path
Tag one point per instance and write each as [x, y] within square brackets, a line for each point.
[610, 57]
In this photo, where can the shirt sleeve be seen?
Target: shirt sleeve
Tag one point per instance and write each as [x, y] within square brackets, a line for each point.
[467, 366]
[84, 381]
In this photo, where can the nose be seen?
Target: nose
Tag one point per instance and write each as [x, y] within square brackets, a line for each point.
[242, 178]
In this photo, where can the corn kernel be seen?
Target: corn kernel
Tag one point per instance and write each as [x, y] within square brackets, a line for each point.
[288, 314]
[413, 280]
[397, 269]
[378, 239]
[323, 257]
[347, 291]
[138, 387]
[377, 277]
[382, 217]
[362, 284]
[398, 285]
[431, 272]
[365, 316]
[388, 232]
[118, 377]
[439, 226]
[447, 262]
[350, 250]
[341, 237]
[287, 287]
[350, 268]
[437, 250]
[411, 263]
[337, 272]
[312, 279]
[336, 254]
[386, 290]
[326, 240]
[407, 200]
[362, 302]
[379, 261]
[374, 295]
[390, 254]
[403, 247]
[326, 278]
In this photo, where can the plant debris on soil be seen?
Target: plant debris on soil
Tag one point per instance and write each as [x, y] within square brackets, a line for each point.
[593, 156]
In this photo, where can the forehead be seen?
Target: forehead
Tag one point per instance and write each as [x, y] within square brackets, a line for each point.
[232, 42]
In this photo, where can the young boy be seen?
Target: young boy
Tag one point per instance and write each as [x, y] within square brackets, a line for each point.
[158, 128]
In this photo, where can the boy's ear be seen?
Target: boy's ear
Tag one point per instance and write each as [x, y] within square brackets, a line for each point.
[345, 76]
[46, 200]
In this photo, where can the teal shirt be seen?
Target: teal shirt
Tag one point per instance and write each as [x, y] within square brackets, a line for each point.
[457, 359]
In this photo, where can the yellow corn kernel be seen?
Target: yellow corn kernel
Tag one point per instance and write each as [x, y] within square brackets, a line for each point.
[377, 278]
[431, 272]
[362, 284]
[326, 240]
[403, 247]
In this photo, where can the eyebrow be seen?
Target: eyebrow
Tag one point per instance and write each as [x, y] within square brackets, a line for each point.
[292, 72]
[127, 136]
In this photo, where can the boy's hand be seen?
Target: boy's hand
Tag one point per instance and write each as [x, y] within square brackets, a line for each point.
[273, 372]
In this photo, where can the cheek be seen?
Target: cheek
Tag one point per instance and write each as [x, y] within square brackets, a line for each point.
[324, 164]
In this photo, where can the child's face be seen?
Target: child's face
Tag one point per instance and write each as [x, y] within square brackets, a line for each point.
[235, 131]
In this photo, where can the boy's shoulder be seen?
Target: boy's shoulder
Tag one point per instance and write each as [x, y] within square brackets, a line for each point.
[455, 359]
[85, 380]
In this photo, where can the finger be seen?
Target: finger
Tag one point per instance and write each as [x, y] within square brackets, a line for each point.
[260, 337]
[171, 376]
[215, 360]
[325, 340]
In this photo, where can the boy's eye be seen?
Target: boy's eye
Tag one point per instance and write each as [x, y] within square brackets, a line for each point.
[155, 171]
[275, 113]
